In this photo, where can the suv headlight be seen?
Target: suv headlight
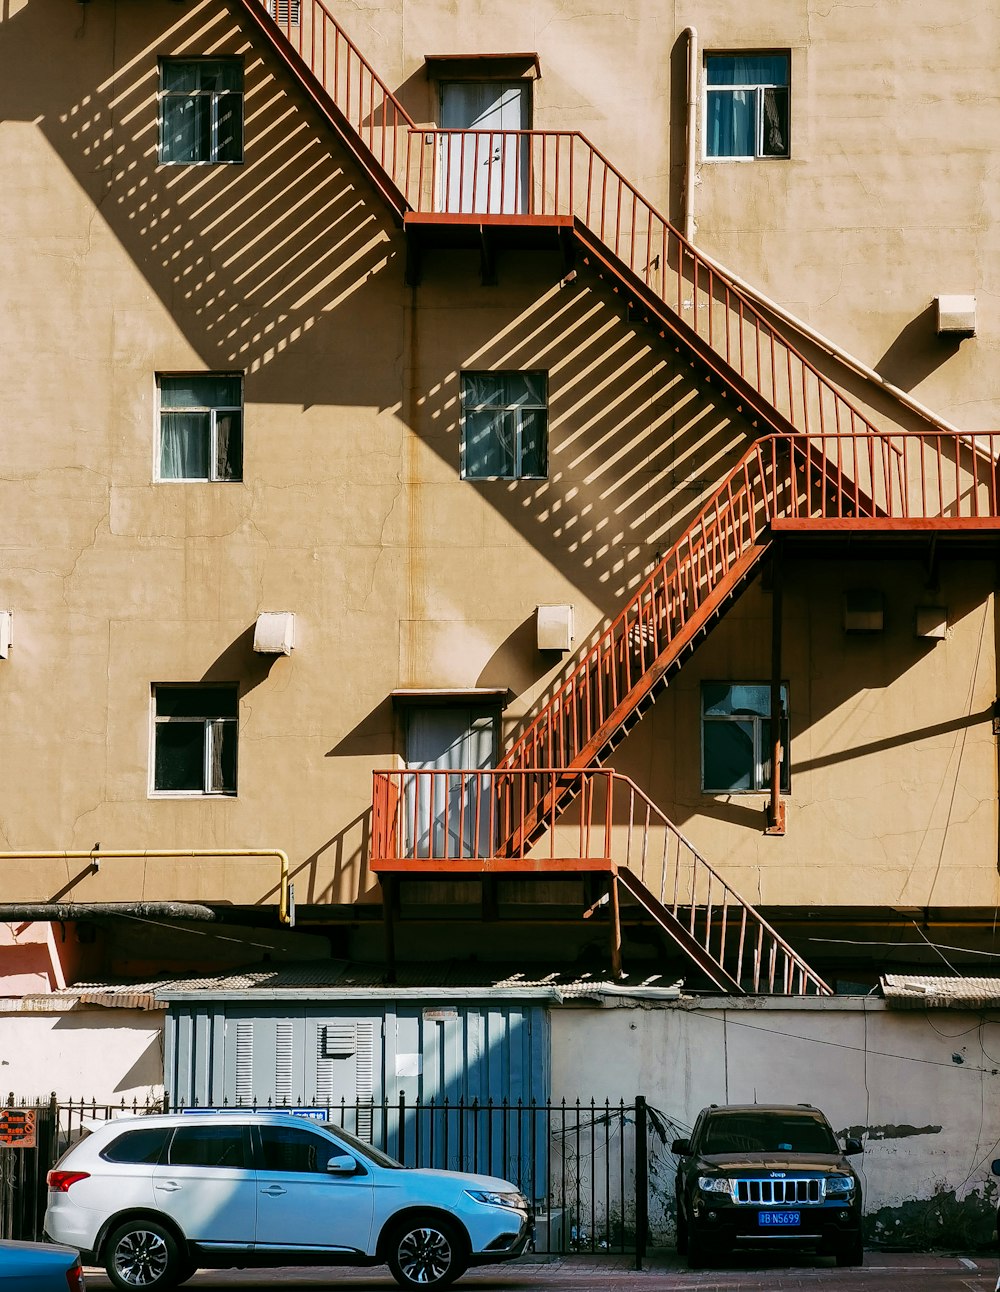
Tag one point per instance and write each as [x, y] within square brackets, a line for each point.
[516, 1201]
[838, 1185]
[715, 1184]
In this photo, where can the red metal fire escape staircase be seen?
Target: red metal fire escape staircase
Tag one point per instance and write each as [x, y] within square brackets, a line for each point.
[819, 462]
[679, 603]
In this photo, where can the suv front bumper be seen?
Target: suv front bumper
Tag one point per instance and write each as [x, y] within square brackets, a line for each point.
[828, 1225]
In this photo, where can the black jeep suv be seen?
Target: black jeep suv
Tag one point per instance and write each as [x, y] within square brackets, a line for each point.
[766, 1174]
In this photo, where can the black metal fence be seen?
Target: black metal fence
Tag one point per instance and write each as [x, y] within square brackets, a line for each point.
[583, 1165]
[25, 1158]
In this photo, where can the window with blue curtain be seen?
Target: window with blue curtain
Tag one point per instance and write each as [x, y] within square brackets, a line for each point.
[201, 427]
[746, 106]
[201, 110]
[504, 425]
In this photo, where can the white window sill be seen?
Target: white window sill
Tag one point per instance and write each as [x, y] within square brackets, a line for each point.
[712, 160]
[161, 162]
[192, 794]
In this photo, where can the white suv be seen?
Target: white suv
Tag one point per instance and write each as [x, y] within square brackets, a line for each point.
[154, 1198]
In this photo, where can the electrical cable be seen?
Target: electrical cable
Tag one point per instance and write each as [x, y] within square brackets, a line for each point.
[858, 1049]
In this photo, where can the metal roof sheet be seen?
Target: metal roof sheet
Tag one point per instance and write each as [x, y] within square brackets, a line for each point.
[927, 991]
[338, 979]
[451, 979]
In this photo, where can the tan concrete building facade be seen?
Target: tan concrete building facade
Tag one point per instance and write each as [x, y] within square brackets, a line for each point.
[237, 382]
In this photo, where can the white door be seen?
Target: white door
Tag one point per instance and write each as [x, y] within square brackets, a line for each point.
[300, 1205]
[485, 169]
[450, 815]
[208, 1185]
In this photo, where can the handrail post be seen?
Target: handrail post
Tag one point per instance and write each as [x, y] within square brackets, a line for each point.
[616, 927]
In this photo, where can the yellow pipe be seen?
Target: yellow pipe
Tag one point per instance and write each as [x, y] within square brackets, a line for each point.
[99, 854]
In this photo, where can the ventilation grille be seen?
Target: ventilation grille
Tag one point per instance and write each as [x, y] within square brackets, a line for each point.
[365, 1078]
[778, 1191]
[338, 1040]
[283, 1063]
[285, 11]
[345, 1073]
[244, 1061]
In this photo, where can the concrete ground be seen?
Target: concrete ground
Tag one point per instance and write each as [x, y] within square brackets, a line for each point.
[882, 1272]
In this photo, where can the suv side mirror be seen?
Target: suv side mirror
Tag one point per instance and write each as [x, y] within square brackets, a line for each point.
[853, 1145]
[343, 1164]
[995, 1167]
[681, 1146]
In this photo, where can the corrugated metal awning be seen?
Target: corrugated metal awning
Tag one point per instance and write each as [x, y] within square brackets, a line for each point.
[103, 995]
[925, 991]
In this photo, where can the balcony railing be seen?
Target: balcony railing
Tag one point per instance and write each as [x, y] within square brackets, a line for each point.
[468, 820]
[458, 820]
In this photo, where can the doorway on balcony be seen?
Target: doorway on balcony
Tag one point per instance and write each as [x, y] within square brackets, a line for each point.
[447, 805]
[484, 169]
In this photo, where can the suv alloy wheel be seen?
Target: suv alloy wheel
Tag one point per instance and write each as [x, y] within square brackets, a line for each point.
[425, 1252]
[142, 1254]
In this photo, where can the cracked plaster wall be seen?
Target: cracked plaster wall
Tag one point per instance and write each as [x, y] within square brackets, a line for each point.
[351, 513]
[929, 1125]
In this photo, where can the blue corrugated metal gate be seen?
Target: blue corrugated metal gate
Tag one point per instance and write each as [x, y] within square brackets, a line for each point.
[418, 1062]
[228, 1052]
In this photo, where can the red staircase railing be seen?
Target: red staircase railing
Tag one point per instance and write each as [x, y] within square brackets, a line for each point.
[367, 104]
[479, 176]
[450, 822]
[862, 482]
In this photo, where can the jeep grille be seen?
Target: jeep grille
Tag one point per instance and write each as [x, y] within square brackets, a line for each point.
[770, 1191]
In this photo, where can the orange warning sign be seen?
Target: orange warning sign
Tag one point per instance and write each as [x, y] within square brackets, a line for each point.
[17, 1128]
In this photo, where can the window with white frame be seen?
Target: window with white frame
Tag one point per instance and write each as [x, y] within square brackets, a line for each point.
[194, 738]
[201, 110]
[504, 425]
[736, 737]
[201, 427]
[746, 105]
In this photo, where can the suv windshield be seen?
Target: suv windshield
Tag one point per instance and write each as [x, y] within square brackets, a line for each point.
[749, 1132]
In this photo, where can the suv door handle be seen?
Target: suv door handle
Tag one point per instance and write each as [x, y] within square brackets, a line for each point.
[170, 1187]
[274, 1190]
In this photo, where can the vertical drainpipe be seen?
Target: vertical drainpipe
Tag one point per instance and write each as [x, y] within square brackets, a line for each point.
[776, 807]
[690, 131]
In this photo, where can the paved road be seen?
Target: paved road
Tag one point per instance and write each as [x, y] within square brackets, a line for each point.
[882, 1272]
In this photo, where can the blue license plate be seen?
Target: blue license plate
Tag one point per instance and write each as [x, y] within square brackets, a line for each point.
[779, 1219]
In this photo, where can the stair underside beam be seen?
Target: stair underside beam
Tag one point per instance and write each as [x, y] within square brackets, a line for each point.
[686, 336]
[669, 923]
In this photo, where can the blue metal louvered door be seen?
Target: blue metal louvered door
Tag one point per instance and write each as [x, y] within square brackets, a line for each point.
[461, 1084]
[472, 1082]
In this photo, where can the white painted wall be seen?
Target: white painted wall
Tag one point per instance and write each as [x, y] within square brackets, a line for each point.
[102, 1054]
[864, 1065]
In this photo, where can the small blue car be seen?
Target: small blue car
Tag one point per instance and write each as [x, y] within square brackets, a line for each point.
[40, 1267]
